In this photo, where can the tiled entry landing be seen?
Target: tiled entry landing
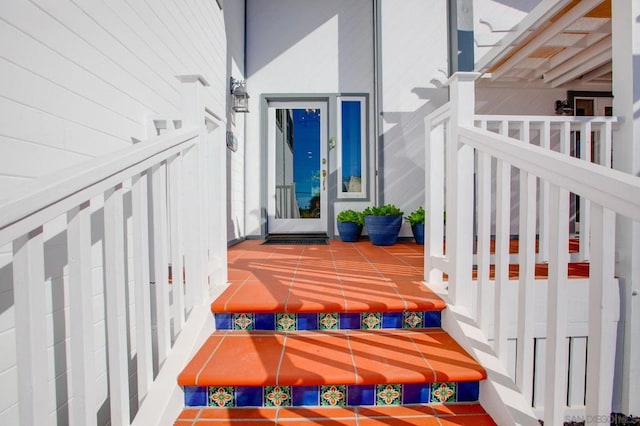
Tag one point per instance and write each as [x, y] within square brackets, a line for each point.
[338, 334]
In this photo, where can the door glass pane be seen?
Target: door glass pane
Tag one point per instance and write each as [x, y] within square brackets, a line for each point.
[351, 146]
[297, 163]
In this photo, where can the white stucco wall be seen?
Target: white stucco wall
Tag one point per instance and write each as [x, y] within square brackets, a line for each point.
[80, 79]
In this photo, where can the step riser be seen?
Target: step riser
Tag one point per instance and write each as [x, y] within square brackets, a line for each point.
[327, 321]
[331, 395]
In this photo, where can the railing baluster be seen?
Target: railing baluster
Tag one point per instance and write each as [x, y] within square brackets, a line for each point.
[176, 231]
[556, 353]
[543, 231]
[434, 203]
[31, 342]
[603, 313]
[483, 248]
[140, 224]
[80, 315]
[585, 154]
[527, 260]
[503, 229]
[605, 145]
[115, 294]
[161, 259]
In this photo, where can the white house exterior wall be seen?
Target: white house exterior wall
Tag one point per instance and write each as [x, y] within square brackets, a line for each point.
[80, 79]
[318, 48]
[414, 68]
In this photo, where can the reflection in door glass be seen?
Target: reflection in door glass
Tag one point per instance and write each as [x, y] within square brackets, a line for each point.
[297, 163]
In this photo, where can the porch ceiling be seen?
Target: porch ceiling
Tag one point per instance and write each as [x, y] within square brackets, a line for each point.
[561, 43]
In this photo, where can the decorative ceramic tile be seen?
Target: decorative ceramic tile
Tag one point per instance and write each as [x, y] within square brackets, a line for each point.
[432, 319]
[286, 322]
[195, 396]
[243, 321]
[223, 321]
[416, 393]
[307, 396]
[333, 395]
[412, 320]
[277, 396]
[443, 392]
[328, 321]
[388, 394]
[349, 321]
[392, 319]
[221, 396]
[249, 396]
[307, 321]
[371, 321]
[264, 321]
[361, 395]
[467, 391]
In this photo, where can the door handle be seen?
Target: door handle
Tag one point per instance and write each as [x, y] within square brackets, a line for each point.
[324, 178]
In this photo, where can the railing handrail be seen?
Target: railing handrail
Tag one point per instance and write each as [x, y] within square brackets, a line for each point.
[618, 191]
[42, 199]
[440, 114]
[550, 118]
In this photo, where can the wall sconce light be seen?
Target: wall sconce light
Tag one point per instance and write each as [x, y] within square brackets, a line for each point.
[563, 108]
[238, 89]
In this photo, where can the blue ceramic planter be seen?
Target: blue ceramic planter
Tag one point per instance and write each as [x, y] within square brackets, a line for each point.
[383, 230]
[349, 231]
[418, 233]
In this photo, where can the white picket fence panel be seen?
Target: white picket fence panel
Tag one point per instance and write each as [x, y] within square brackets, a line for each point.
[143, 206]
[469, 156]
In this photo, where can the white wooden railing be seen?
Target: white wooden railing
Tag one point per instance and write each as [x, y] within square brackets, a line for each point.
[125, 218]
[463, 152]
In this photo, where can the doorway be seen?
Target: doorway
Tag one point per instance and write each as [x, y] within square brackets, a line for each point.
[297, 167]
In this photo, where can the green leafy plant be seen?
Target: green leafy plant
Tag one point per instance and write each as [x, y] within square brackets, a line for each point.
[386, 210]
[351, 216]
[416, 216]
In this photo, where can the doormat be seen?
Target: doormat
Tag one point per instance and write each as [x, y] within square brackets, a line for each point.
[294, 239]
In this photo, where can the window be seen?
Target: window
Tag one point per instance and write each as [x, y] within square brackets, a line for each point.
[352, 147]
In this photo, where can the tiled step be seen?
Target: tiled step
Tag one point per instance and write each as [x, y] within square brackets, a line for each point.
[432, 415]
[272, 368]
[286, 321]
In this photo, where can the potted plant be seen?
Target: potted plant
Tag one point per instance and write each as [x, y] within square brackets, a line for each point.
[416, 219]
[350, 223]
[383, 224]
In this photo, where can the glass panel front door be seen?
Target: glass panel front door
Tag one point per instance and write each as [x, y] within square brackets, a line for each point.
[297, 167]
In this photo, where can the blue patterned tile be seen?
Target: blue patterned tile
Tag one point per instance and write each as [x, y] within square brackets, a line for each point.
[413, 320]
[418, 393]
[392, 320]
[328, 321]
[349, 321]
[468, 391]
[443, 392]
[224, 321]
[243, 321]
[307, 321]
[286, 321]
[195, 396]
[305, 396]
[333, 395]
[277, 396]
[371, 320]
[388, 394]
[249, 396]
[432, 319]
[264, 321]
[361, 395]
[221, 396]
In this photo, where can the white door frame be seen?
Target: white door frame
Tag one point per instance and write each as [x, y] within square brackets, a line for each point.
[294, 225]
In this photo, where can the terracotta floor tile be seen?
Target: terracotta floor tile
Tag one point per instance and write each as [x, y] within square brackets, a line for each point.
[457, 409]
[244, 359]
[418, 297]
[189, 413]
[449, 361]
[318, 299]
[313, 358]
[316, 413]
[255, 296]
[190, 373]
[397, 411]
[470, 420]
[383, 357]
[378, 298]
[239, 413]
